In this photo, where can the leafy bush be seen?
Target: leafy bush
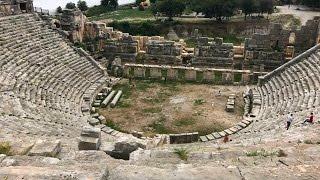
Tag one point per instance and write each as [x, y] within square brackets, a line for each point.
[261, 152]
[5, 148]
[96, 11]
[146, 28]
[159, 126]
[198, 102]
[182, 153]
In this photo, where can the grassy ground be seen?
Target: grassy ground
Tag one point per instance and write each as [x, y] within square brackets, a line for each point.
[155, 107]
[124, 14]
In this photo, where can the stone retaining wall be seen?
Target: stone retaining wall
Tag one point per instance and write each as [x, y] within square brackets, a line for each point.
[181, 73]
[183, 138]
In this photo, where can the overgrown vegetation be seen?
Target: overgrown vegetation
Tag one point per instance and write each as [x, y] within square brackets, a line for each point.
[126, 90]
[237, 77]
[113, 125]
[198, 102]
[5, 148]
[209, 129]
[262, 152]
[159, 127]
[152, 110]
[146, 28]
[185, 121]
[232, 38]
[182, 153]
[98, 13]
[191, 43]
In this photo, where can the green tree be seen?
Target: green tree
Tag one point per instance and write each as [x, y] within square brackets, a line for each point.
[218, 9]
[311, 3]
[197, 6]
[170, 8]
[59, 10]
[138, 2]
[82, 5]
[266, 6]
[70, 5]
[247, 7]
[110, 4]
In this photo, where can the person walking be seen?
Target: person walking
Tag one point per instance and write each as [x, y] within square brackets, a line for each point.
[309, 119]
[289, 120]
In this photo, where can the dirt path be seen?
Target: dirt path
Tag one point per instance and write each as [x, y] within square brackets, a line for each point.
[304, 14]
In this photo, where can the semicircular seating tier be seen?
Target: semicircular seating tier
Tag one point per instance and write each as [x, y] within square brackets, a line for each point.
[44, 82]
[291, 88]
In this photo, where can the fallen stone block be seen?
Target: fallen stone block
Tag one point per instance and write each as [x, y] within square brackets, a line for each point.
[46, 148]
[90, 138]
[88, 143]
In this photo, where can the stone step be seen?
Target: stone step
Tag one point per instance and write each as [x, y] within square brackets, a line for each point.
[203, 138]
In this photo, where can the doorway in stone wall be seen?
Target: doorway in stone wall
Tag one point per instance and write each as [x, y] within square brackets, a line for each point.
[23, 7]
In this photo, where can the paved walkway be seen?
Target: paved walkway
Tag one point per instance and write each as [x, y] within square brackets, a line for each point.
[304, 14]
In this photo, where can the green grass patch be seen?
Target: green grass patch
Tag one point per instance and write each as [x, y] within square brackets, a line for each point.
[191, 43]
[262, 153]
[188, 121]
[152, 110]
[143, 85]
[209, 129]
[5, 148]
[182, 153]
[198, 102]
[171, 86]
[199, 76]
[124, 103]
[181, 74]
[232, 38]
[113, 125]
[164, 72]
[126, 90]
[217, 77]
[121, 14]
[159, 127]
[237, 77]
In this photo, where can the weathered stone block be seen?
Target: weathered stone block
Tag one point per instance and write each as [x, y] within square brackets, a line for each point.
[46, 148]
[90, 138]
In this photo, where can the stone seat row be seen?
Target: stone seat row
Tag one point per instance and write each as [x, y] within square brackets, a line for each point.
[52, 86]
[217, 135]
[295, 89]
[41, 70]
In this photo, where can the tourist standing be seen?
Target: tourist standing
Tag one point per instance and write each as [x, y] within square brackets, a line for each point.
[289, 120]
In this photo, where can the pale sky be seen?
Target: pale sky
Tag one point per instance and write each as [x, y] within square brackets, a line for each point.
[53, 4]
